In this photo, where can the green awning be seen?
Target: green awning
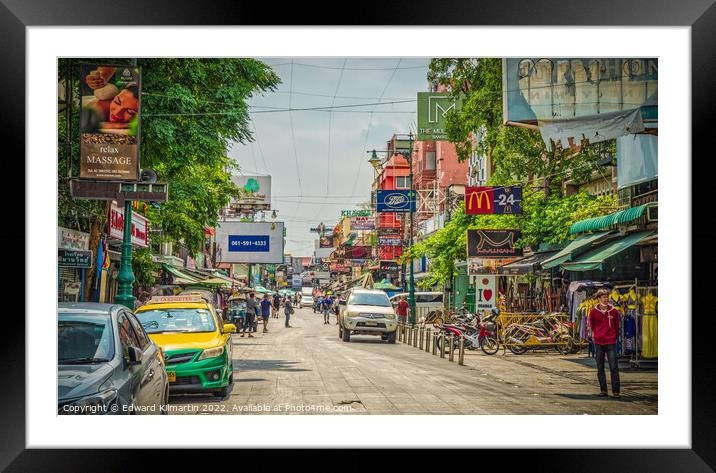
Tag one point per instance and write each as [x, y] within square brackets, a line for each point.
[568, 252]
[593, 260]
[606, 221]
[176, 273]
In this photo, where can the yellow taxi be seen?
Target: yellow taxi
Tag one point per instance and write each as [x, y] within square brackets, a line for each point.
[195, 341]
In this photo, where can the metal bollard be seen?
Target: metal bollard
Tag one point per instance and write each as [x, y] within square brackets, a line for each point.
[442, 344]
[410, 335]
[435, 338]
[422, 334]
[452, 348]
[427, 340]
[400, 332]
[461, 352]
[415, 336]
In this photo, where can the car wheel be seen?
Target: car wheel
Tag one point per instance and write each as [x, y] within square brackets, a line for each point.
[223, 392]
[346, 335]
[231, 378]
[391, 337]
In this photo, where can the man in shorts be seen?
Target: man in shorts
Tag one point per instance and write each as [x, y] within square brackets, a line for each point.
[251, 307]
[265, 311]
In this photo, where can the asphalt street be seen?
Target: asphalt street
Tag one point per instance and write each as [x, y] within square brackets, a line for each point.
[307, 370]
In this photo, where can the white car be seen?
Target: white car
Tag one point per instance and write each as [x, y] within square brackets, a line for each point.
[307, 301]
[367, 312]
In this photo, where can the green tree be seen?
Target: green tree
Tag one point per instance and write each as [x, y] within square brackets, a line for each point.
[192, 110]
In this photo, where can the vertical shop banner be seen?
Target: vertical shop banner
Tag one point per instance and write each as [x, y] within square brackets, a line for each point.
[140, 226]
[493, 243]
[110, 122]
[483, 200]
[485, 292]
[72, 239]
[433, 108]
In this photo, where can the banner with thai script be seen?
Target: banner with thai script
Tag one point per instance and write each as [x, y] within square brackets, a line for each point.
[362, 223]
[140, 226]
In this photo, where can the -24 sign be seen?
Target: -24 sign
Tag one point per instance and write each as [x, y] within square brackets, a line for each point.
[493, 200]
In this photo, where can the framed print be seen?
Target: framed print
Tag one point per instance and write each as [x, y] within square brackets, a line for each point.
[327, 116]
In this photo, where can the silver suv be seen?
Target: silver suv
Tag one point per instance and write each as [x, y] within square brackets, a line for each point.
[367, 312]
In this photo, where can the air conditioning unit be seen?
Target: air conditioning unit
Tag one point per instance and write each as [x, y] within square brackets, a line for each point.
[652, 213]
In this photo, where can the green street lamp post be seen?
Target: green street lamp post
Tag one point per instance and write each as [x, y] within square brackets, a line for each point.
[126, 275]
[411, 281]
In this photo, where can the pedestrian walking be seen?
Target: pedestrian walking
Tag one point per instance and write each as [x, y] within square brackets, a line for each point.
[287, 310]
[402, 310]
[265, 311]
[604, 326]
[326, 309]
[276, 305]
[251, 308]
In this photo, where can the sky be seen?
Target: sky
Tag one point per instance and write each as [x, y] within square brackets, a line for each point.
[318, 160]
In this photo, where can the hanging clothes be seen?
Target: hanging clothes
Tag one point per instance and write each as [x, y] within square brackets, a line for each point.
[615, 299]
[649, 336]
[649, 304]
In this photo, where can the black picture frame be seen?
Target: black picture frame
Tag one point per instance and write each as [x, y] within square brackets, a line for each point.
[700, 15]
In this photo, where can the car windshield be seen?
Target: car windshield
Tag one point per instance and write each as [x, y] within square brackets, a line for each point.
[176, 320]
[367, 298]
[84, 339]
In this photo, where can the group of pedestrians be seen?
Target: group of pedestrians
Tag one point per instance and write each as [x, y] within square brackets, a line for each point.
[325, 305]
[264, 308]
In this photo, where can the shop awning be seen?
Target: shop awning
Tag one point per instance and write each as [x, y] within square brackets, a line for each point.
[593, 260]
[582, 242]
[178, 274]
[525, 265]
[606, 221]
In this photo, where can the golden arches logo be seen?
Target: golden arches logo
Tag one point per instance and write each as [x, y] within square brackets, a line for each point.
[479, 196]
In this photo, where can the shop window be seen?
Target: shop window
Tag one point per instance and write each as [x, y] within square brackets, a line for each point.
[402, 182]
[430, 160]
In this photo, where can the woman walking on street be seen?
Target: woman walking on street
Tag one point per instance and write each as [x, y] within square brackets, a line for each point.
[287, 309]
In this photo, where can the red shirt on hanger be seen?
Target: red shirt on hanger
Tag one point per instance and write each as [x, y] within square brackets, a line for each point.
[604, 325]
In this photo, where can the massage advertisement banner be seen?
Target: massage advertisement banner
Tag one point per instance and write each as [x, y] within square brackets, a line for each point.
[110, 122]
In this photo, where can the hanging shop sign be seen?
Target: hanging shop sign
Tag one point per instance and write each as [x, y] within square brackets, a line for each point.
[493, 200]
[72, 239]
[395, 201]
[249, 242]
[110, 122]
[326, 241]
[389, 266]
[485, 292]
[493, 243]
[389, 231]
[74, 258]
[433, 108]
[390, 241]
[140, 226]
[362, 223]
[255, 192]
[356, 213]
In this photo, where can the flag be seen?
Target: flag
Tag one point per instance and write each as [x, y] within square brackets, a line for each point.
[100, 260]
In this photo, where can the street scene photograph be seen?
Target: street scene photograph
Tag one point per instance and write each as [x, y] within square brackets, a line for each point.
[357, 236]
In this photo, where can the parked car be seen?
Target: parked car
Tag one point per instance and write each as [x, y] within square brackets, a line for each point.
[425, 302]
[367, 312]
[106, 362]
[195, 341]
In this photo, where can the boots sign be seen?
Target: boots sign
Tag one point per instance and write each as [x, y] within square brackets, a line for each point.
[485, 292]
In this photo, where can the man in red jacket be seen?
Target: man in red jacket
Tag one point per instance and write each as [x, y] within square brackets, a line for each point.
[604, 325]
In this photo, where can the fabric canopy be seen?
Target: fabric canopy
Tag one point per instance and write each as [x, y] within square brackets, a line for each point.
[606, 221]
[582, 242]
[178, 274]
[594, 259]
[594, 128]
[525, 265]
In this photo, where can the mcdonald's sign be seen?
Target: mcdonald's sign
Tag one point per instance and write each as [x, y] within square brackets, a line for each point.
[493, 200]
[479, 200]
